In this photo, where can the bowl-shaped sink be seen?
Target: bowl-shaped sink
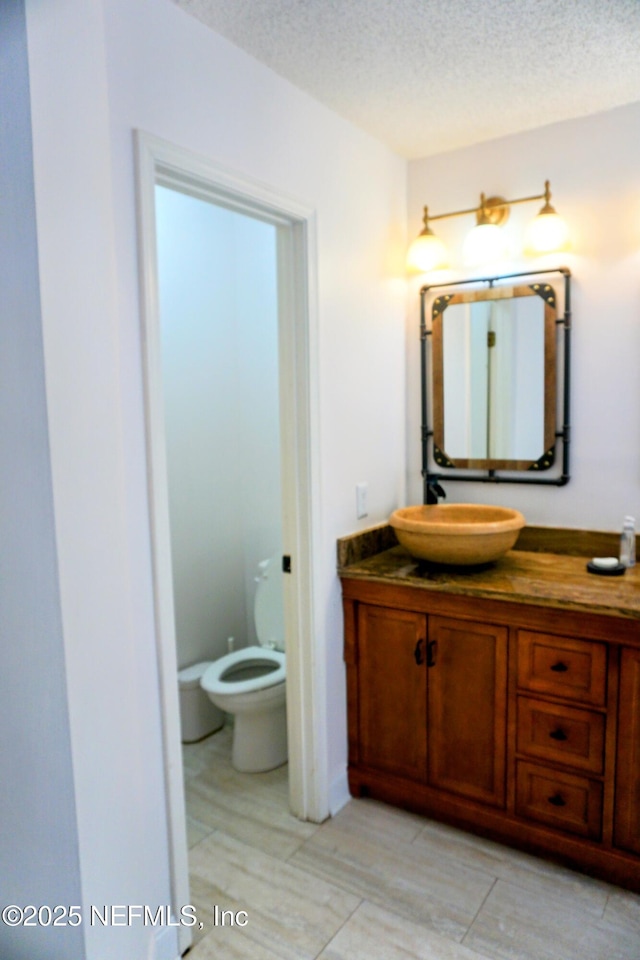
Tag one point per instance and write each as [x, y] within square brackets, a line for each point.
[457, 533]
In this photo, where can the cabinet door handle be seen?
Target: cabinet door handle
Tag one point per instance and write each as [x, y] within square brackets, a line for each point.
[557, 800]
[417, 653]
[559, 667]
[558, 734]
[432, 649]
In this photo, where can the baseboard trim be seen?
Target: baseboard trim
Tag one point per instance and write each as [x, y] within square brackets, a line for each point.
[339, 795]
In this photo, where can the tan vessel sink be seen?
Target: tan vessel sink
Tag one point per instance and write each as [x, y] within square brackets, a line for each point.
[457, 533]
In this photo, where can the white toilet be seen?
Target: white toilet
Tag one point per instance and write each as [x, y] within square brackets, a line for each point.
[251, 683]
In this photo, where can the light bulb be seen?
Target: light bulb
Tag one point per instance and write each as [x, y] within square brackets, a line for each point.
[427, 252]
[484, 243]
[546, 233]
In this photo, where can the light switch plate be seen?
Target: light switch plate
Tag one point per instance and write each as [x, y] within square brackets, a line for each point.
[362, 490]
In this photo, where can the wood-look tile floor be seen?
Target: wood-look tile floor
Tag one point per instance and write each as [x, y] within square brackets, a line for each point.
[376, 883]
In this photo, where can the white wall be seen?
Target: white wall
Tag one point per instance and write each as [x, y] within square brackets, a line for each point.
[258, 399]
[38, 842]
[171, 76]
[592, 164]
[98, 70]
[219, 324]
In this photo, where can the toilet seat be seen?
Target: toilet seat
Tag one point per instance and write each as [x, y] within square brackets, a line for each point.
[213, 679]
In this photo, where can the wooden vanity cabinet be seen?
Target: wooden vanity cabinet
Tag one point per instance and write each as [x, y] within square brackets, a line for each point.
[518, 722]
[431, 700]
[392, 691]
[627, 811]
[467, 694]
[561, 722]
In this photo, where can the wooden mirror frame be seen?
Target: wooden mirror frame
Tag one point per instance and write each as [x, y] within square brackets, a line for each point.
[556, 422]
[547, 455]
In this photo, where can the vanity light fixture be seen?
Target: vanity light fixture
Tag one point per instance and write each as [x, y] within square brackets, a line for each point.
[547, 233]
[486, 243]
[427, 252]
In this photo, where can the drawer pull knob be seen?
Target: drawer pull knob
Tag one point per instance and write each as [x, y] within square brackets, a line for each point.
[417, 653]
[558, 734]
[557, 800]
[559, 667]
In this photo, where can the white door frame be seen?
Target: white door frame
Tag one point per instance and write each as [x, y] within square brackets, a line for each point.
[161, 162]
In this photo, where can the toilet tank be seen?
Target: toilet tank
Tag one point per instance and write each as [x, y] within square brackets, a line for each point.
[198, 715]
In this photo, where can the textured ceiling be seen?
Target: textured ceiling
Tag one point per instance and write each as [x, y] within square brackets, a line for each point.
[426, 76]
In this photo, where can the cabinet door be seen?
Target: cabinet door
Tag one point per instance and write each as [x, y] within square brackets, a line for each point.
[627, 811]
[468, 708]
[392, 691]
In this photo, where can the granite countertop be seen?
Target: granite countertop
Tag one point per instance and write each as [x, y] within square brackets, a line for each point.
[523, 576]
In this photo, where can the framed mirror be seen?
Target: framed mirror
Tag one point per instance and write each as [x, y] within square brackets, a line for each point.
[494, 378]
[499, 378]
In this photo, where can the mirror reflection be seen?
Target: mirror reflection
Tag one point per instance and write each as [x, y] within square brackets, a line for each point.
[494, 378]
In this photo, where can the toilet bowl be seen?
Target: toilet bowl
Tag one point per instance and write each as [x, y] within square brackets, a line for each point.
[250, 683]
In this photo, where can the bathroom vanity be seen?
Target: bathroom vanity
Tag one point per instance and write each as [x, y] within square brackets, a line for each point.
[503, 699]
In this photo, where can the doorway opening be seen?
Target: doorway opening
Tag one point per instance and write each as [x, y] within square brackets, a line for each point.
[287, 229]
[218, 302]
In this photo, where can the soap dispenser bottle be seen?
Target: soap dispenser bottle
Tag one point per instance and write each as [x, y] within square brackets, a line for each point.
[628, 542]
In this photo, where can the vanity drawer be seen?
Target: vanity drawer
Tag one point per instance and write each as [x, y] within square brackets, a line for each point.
[568, 735]
[563, 667]
[561, 800]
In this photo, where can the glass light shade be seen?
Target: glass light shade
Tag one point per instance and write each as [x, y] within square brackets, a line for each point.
[546, 233]
[484, 243]
[427, 252]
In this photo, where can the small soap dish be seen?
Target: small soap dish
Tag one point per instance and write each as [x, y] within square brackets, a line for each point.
[606, 566]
